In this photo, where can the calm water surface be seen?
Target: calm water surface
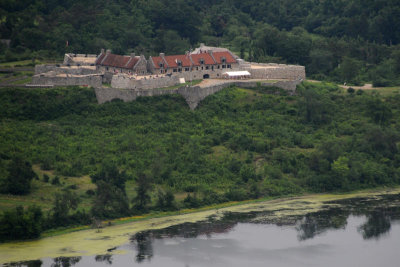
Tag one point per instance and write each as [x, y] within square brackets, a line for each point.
[358, 232]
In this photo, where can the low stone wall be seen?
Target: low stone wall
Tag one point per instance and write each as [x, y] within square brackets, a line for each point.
[45, 68]
[59, 69]
[277, 71]
[192, 94]
[90, 80]
[104, 95]
[126, 82]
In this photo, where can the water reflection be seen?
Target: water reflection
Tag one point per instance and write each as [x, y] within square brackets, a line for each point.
[107, 258]
[65, 261]
[36, 263]
[317, 223]
[378, 224]
[143, 243]
[258, 238]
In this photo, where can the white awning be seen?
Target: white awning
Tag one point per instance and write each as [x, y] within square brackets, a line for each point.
[237, 73]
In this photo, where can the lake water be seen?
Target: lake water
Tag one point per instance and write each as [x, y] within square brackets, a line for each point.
[359, 232]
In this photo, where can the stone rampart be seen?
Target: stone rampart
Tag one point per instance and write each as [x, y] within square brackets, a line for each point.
[43, 68]
[192, 94]
[128, 82]
[104, 95]
[90, 80]
[277, 71]
[60, 69]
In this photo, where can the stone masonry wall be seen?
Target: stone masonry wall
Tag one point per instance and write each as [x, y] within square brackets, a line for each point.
[193, 95]
[104, 95]
[91, 80]
[57, 69]
[126, 82]
[277, 71]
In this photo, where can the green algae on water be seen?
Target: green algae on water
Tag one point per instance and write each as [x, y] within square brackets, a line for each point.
[94, 242]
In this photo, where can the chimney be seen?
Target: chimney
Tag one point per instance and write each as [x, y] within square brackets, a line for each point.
[108, 51]
[202, 45]
[209, 52]
[102, 51]
[162, 55]
[133, 55]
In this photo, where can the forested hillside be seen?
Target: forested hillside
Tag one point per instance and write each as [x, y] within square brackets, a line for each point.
[154, 154]
[349, 41]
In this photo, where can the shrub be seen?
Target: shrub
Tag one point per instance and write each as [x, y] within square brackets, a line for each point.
[350, 90]
[55, 181]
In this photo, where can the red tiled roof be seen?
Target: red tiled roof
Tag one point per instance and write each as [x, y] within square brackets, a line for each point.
[117, 61]
[219, 55]
[157, 61]
[172, 61]
[132, 62]
[208, 60]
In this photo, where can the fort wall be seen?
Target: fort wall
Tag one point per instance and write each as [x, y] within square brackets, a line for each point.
[129, 82]
[58, 69]
[276, 71]
[192, 94]
[90, 80]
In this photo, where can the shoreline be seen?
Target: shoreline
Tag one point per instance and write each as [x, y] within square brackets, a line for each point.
[74, 242]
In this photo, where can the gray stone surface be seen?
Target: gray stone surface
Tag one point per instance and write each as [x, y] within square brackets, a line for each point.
[90, 80]
[192, 94]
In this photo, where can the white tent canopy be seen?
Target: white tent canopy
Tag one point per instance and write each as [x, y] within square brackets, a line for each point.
[236, 74]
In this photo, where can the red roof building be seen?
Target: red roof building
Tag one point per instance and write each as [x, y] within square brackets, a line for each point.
[118, 63]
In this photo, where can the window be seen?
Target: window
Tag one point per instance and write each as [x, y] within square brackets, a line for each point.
[207, 67]
[223, 66]
[197, 68]
[229, 66]
[175, 70]
[223, 60]
[179, 63]
[106, 68]
[186, 69]
[201, 60]
[161, 65]
[180, 69]
[218, 67]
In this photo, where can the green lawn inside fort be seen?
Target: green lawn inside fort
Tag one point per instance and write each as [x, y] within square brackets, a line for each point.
[78, 162]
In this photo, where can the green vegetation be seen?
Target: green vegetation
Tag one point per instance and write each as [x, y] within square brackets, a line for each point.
[349, 41]
[154, 154]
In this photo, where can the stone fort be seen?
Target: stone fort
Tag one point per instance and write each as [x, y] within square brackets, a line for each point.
[131, 75]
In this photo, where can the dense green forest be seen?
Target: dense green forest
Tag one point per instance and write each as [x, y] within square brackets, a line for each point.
[350, 41]
[155, 154]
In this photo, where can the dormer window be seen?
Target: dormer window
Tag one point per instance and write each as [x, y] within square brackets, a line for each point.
[223, 60]
[201, 60]
[179, 63]
[161, 65]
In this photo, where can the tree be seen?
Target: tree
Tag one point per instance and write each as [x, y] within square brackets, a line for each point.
[20, 175]
[142, 198]
[110, 201]
[166, 200]
[110, 174]
[63, 204]
[20, 223]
